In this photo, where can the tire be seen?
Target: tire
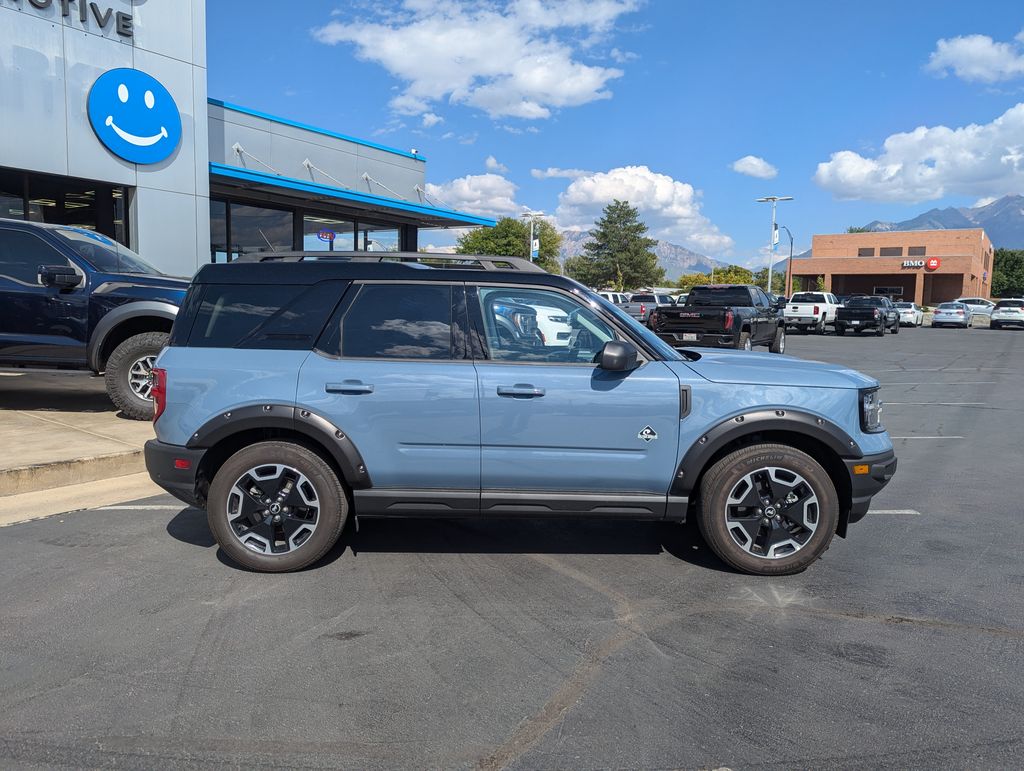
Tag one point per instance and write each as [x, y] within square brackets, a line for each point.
[995, 325]
[819, 328]
[880, 330]
[840, 330]
[794, 543]
[743, 342]
[778, 343]
[127, 374]
[314, 488]
[896, 328]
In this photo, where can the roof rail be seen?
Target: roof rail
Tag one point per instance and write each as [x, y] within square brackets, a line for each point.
[421, 259]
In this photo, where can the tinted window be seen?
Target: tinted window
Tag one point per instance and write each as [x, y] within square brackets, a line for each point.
[1010, 304]
[950, 306]
[642, 298]
[905, 305]
[22, 253]
[727, 295]
[866, 251]
[891, 251]
[399, 321]
[261, 316]
[665, 299]
[865, 302]
[808, 297]
[916, 251]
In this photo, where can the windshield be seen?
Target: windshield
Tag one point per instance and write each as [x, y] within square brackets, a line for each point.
[728, 295]
[950, 307]
[1010, 304]
[103, 253]
[808, 297]
[905, 305]
[865, 302]
[642, 298]
[663, 349]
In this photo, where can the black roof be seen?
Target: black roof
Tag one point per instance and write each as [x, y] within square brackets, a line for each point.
[314, 267]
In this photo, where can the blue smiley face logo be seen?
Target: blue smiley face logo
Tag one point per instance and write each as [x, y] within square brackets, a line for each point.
[134, 116]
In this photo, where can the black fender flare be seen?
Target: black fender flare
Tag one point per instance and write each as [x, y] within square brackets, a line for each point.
[739, 426]
[120, 314]
[282, 416]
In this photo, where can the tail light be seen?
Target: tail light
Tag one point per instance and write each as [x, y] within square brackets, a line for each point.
[877, 313]
[654, 319]
[158, 391]
[643, 310]
[728, 319]
[816, 311]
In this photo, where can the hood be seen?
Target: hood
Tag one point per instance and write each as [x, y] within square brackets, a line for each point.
[110, 282]
[745, 368]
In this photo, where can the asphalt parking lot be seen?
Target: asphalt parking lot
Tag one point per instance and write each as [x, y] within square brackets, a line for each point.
[126, 640]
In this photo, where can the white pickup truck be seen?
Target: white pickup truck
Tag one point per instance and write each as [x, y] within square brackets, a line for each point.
[811, 311]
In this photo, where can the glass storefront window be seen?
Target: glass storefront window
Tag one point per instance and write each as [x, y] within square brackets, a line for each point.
[315, 234]
[377, 238]
[258, 229]
[218, 231]
[12, 202]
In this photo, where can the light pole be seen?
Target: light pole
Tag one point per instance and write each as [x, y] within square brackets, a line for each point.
[531, 215]
[773, 199]
[789, 266]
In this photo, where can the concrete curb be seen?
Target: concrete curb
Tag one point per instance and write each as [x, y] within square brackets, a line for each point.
[43, 476]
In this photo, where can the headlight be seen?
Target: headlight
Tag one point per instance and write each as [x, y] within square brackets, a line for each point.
[871, 411]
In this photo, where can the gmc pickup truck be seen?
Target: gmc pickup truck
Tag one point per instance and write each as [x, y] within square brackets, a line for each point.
[811, 311]
[859, 313]
[722, 316]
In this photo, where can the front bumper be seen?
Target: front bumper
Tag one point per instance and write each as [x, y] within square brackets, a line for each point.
[182, 483]
[865, 486]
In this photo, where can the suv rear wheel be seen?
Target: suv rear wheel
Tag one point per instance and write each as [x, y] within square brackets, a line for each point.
[129, 374]
[768, 509]
[276, 506]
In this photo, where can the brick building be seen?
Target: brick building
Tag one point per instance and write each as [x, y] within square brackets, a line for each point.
[926, 266]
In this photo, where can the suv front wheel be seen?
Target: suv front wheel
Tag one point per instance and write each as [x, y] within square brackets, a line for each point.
[129, 374]
[768, 509]
[276, 506]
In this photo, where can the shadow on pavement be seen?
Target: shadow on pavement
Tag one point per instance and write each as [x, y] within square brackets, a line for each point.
[37, 390]
[494, 536]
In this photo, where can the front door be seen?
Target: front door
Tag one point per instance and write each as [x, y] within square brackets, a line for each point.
[559, 435]
[43, 324]
[393, 373]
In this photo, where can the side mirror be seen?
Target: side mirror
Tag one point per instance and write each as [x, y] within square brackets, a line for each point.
[780, 303]
[63, 276]
[617, 356]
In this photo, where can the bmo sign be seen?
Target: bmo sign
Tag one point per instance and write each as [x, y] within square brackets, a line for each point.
[932, 263]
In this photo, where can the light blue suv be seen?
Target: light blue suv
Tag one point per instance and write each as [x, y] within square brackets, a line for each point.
[298, 390]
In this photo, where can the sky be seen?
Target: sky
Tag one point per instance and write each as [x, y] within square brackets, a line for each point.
[688, 110]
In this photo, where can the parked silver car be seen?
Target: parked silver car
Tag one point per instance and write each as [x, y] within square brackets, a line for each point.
[954, 314]
[911, 314]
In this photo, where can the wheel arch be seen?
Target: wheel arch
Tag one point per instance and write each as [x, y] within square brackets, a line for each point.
[126, 321]
[232, 430]
[825, 442]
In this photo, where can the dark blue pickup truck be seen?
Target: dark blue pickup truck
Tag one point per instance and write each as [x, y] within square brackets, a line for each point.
[72, 298]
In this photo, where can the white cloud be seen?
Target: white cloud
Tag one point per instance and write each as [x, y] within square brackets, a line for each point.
[753, 166]
[978, 58]
[430, 120]
[670, 208]
[517, 61]
[932, 162]
[984, 201]
[493, 164]
[621, 57]
[490, 195]
[553, 172]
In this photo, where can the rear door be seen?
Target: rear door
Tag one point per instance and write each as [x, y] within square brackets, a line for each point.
[38, 323]
[394, 373]
[559, 435]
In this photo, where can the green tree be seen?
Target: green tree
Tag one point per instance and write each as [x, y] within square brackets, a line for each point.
[618, 254]
[778, 280]
[855, 229]
[730, 274]
[1008, 273]
[511, 238]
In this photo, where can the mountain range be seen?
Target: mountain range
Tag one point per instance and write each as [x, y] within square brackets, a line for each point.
[675, 259]
[1003, 220]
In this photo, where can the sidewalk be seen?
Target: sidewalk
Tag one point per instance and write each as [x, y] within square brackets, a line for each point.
[59, 428]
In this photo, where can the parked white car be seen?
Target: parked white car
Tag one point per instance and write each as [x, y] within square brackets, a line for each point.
[811, 311]
[979, 305]
[616, 298]
[1008, 312]
[911, 314]
[553, 324]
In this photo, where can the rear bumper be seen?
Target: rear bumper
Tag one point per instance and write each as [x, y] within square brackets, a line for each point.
[802, 321]
[709, 339]
[182, 483]
[865, 486]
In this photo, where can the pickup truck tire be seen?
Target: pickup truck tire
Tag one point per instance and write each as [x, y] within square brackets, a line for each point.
[293, 520]
[778, 343]
[896, 328]
[840, 330]
[734, 519]
[880, 329]
[743, 342]
[819, 328]
[127, 374]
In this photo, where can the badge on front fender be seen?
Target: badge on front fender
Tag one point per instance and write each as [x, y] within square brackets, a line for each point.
[648, 434]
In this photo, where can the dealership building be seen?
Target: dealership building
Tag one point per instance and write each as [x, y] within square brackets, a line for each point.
[107, 125]
[924, 266]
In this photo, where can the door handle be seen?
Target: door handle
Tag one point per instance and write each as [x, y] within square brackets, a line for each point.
[349, 387]
[521, 391]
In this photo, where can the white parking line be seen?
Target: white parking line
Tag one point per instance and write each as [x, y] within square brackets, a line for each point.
[926, 437]
[914, 512]
[151, 507]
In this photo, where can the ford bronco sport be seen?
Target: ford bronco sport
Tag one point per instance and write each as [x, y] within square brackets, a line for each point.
[299, 389]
